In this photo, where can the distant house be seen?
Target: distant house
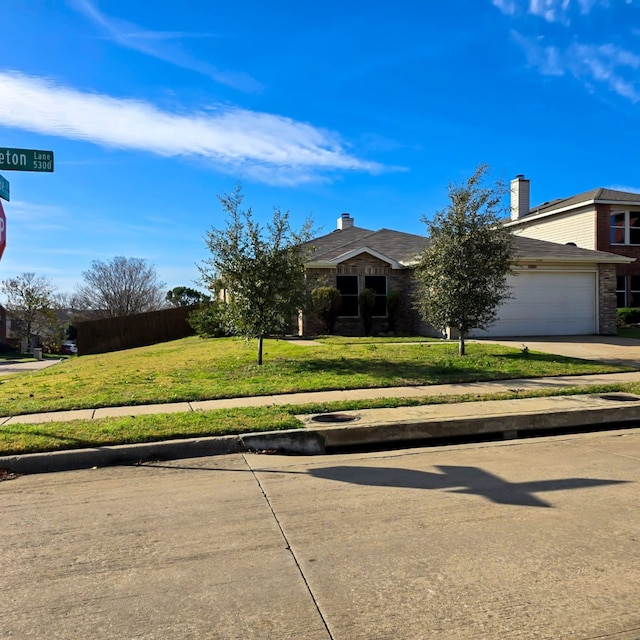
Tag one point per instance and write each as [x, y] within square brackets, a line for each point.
[601, 219]
[558, 289]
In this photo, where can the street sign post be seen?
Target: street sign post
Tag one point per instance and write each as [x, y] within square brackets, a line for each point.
[3, 230]
[4, 189]
[26, 160]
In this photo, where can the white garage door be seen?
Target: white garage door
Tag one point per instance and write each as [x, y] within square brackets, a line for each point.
[547, 304]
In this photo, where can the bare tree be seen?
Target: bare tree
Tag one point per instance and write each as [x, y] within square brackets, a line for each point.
[121, 287]
[30, 302]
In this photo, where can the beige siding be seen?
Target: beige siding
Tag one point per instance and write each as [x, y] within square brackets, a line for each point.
[575, 227]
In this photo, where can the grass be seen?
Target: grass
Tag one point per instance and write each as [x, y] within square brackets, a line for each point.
[629, 332]
[53, 436]
[195, 369]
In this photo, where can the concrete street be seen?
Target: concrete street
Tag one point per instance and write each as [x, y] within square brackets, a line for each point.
[523, 539]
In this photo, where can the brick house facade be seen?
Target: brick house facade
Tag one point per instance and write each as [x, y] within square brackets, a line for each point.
[353, 258]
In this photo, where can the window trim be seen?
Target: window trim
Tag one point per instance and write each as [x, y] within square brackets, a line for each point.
[380, 295]
[350, 295]
[621, 290]
[626, 228]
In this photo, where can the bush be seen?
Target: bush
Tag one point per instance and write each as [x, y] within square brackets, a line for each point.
[367, 299]
[209, 320]
[394, 299]
[628, 315]
[326, 303]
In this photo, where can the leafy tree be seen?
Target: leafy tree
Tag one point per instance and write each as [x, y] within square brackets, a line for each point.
[30, 302]
[326, 303]
[121, 287]
[185, 297]
[260, 269]
[462, 275]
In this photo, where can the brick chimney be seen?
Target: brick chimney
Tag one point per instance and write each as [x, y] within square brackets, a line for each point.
[519, 197]
[345, 221]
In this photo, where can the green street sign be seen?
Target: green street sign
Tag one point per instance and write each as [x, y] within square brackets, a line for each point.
[26, 160]
[4, 189]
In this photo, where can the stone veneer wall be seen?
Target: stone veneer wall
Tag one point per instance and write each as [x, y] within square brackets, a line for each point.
[607, 304]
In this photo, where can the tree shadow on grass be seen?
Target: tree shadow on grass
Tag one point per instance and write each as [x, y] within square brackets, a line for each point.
[383, 370]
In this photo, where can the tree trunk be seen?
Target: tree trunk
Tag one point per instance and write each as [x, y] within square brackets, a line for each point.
[260, 350]
[461, 345]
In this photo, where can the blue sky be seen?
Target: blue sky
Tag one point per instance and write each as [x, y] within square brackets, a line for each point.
[371, 108]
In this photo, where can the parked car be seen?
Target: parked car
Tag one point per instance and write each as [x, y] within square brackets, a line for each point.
[69, 348]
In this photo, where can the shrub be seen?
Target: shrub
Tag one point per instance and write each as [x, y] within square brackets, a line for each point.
[394, 300]
[326, 303]
[367, 299]
[209, 320]
[628, 315]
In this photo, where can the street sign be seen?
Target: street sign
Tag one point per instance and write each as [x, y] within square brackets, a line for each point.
[3, 230]
[26, 160]
[4, 189]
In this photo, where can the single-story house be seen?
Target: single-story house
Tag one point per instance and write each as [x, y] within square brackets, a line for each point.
[601, 219]
[556, 289]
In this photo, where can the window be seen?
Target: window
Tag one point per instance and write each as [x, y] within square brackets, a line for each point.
[348, 288]
[378, 284]
[625, 227]
[634, 291]
[621, 291]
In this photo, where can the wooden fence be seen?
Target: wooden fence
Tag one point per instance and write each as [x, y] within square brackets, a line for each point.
[127, 332]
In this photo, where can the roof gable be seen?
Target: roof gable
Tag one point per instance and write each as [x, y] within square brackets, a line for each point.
[395, 247]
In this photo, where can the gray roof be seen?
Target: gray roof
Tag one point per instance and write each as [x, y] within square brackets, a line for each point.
[598, 195]
[404, 248]
[396, 245]
[530, 248]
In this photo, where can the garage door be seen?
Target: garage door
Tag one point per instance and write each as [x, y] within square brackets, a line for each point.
[547, 304]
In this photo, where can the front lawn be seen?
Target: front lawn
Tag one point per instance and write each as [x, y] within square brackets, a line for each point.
[196, 369]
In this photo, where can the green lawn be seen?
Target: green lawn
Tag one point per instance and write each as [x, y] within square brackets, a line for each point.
[629, 332]
[196, 369]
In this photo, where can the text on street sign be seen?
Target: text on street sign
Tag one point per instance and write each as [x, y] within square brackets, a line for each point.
[26, 160]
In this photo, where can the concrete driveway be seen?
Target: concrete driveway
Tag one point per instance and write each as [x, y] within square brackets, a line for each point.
[518, 540]
[10, 367]
[602, 348]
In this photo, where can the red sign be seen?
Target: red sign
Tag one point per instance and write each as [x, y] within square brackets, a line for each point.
[3, 230]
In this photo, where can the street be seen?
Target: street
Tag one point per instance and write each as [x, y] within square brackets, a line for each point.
[534, 538]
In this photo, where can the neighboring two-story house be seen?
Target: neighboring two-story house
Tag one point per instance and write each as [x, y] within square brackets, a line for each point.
[601, 219]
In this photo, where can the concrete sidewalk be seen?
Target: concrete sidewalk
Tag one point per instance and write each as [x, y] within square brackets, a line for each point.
[368, 427]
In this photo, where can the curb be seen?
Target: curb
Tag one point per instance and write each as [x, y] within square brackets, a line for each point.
[373, 427]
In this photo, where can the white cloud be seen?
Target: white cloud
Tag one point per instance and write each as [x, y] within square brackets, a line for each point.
[605, 64]
[163, 45]
[508, 7]
[548, 10]
[269, 147]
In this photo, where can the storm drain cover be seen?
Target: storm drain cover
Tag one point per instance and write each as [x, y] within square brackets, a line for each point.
[334, 417]
[621, 397]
